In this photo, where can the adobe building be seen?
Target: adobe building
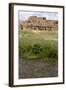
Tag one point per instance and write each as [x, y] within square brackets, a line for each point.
[39, 23]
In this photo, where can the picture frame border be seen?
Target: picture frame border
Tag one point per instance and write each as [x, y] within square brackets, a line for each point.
[11, 43]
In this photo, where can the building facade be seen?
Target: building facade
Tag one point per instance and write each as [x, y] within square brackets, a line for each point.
[39, 23]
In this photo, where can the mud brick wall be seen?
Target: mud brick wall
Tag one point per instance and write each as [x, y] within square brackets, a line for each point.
[39, 23]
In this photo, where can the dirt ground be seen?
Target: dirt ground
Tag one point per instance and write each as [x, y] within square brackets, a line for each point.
[37, 69]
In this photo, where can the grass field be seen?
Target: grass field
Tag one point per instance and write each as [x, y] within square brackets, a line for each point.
[38, 54]
[38, 44]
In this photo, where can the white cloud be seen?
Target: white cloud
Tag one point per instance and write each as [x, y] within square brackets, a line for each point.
[23, 15]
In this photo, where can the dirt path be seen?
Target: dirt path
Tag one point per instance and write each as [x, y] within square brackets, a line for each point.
[37, 69]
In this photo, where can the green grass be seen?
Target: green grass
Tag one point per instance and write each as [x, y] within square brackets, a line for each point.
[38, 45]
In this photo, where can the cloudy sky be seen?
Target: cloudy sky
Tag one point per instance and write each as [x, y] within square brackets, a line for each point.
[23, 15]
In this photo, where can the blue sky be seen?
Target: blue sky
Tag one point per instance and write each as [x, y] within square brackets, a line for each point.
[23, 15]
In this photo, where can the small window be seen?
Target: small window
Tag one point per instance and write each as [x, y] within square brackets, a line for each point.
[44, 18]
[29, 21]
[56, 22]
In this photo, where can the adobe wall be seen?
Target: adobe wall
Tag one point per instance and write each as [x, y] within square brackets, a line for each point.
[39, 23]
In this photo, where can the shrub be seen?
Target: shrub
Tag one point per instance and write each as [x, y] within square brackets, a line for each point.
[24, 50]
[36, 49]
[53, 52]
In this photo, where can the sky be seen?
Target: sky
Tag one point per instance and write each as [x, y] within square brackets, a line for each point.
[23, 15]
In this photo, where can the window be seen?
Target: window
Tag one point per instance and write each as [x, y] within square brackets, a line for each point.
[28, 21]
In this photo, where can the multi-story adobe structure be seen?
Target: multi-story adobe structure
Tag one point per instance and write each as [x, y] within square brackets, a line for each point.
[39, 23]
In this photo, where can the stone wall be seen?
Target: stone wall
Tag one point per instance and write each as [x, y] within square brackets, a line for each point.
[39, 23]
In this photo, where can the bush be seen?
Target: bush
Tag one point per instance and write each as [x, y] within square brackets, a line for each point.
[50, 51]
[24, 50]
[36, 49]
[53, 52]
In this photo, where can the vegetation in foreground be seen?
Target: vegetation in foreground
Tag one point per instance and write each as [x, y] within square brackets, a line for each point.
[38, 44]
